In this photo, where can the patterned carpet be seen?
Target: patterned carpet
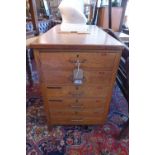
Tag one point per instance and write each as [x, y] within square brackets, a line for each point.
[76, 140]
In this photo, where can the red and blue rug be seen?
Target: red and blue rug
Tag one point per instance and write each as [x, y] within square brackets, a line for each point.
[76, 140]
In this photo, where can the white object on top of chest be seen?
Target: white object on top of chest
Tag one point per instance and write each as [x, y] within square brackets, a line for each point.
[72, 11]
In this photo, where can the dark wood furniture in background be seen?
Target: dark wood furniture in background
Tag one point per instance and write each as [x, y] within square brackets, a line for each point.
[112, 17]
[31, 34]
[88, 11]
[35, 26]
[103, 20]
[57, 55]
[124, 6]
[34, 17]
[95, 14]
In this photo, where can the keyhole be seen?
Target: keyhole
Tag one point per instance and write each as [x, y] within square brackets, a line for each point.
[77, 55]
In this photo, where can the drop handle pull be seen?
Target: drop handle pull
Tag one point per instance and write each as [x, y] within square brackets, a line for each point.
[77, 106]
[75, 61]
[55, 100]
[77, 120]
[76, 94]
[71, 78]
[54, 87]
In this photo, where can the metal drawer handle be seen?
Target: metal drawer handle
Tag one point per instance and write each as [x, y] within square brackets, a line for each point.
[71, 78]
[55, 100]
[76, 106]
[76, 94]
[77, 120]
[75, 61]
[54, 87]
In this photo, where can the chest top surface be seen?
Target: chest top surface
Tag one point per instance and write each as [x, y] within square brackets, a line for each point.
[95, 39]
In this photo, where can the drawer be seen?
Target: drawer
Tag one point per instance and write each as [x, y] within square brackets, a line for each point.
[66, 77]
[77, 91]
[77, 120]
[98, 112]
[82, 103]
[67, 60]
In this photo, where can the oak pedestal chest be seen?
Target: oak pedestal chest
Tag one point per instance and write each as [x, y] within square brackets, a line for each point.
[77, 73]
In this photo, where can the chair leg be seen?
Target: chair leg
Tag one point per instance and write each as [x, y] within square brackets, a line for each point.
[28, 68]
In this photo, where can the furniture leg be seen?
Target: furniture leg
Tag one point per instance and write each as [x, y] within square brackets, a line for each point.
[28, 68]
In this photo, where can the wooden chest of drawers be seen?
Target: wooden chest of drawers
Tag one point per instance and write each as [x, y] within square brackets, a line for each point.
[57, 56]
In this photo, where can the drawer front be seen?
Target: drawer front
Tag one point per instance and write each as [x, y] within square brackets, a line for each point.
[67, 60]
[75, 104]
[77, 112]
[66, 77]
[77, 120]
[77, 91]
